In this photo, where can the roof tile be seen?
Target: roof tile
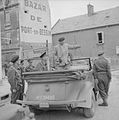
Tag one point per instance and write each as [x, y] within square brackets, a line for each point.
[101, 18]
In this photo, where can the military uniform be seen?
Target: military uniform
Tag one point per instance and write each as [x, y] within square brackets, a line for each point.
[29, 68]
[41, 66]
[22, 69]
[14, 78]
[102, 72]
[62, 52]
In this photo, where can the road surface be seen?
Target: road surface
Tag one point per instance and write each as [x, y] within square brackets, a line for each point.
[102, 113]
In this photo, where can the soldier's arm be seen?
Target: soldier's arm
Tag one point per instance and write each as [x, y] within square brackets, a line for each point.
[108, 71]
[27, 69]
[55, 54]
[33, 69]
[55, 51]
[73, 46]
[94, 71]
[11, 79]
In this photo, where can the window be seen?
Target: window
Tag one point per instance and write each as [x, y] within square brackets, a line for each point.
[7, 18]
[100, 37]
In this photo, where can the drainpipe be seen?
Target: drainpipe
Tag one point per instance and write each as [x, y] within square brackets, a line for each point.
[1, 80]
[47, 54]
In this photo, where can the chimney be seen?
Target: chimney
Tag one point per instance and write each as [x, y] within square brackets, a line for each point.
[90, 9]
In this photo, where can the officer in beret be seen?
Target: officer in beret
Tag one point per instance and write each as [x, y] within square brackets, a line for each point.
[102, 73]
[30, 67]
[14, 78]
[61, 52]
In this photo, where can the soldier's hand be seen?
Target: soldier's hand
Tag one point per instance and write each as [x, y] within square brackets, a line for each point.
[96, 81]
[78, 46]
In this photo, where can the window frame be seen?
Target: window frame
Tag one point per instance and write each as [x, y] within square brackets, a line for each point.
[98, 37]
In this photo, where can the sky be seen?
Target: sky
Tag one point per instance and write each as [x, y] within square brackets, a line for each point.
[61, 9]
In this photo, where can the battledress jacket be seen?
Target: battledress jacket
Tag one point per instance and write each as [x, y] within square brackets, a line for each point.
[14, 77]
[101, 65]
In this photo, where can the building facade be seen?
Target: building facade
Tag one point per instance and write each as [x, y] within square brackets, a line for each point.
[94, 31]
[9, 29]
[25, 28]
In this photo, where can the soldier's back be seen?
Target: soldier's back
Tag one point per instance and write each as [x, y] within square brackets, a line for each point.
[101, 64]
[10, 71]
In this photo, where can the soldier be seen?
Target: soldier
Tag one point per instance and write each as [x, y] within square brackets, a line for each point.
[42, 65]
[30, 67]
[61, 52]
[14, 78]
[102, 73]
[22, 69]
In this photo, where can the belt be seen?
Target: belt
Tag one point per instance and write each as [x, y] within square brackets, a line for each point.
[101, 71]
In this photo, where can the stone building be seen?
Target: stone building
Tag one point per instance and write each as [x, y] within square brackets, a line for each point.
[9, 28]
[94, 31]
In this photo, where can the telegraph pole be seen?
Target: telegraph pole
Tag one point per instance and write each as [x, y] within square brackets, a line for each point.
[47, 54]
[0, 58]
[1, 47]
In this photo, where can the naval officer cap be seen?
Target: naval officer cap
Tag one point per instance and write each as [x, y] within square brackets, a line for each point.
[14, 58]
[42, 55]
[61, 39]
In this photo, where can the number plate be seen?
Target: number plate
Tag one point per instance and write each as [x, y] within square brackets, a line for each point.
[44, 105]
[45, 97]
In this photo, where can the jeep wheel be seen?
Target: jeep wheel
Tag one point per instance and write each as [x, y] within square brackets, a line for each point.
[89, 112]
[34, 110]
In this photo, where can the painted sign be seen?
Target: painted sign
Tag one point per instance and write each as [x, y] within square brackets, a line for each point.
[34, 21]
[0, 60]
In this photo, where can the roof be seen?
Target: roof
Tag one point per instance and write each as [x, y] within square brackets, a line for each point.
[98, 19]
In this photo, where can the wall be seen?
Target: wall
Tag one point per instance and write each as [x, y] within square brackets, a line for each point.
[10, 33]
[88, 41]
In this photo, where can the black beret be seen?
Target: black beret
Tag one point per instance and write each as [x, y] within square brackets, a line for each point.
[61, 39]
[14, 58]
[100, 53]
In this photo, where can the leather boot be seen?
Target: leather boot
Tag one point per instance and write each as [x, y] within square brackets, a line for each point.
[104, 103]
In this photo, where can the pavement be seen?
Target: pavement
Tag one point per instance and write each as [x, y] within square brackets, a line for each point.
[4, 87]
[11, 112]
